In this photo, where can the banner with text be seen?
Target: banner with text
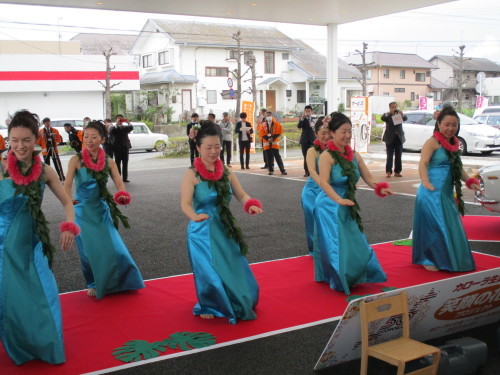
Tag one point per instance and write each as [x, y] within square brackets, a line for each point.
[361, 118]
[249, 108]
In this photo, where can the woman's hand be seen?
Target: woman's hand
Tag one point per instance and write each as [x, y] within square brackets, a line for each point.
[429, 186]
[66, 240]
[254, 210]
[346, 202]
[385, 192]
[475, 187]
[199, 217]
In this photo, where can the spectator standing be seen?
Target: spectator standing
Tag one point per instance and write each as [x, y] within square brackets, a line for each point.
[86, 120]
[307, 137]
[211, 117]
[244, 131]
[226, 127]
[121, 145]
[260, 120]
[270, 132]
[394, 137]
[195, 121]
[75, 137]
[48, 140]
[108, 144]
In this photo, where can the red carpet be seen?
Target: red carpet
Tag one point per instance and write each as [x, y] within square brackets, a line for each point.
[289, 297]
[482, 228]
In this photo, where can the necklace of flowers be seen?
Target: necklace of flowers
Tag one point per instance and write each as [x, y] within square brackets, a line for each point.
[100, 172]
[219, 178]
[319, 146]
[348, 170]
[453, 152]
[29, 185]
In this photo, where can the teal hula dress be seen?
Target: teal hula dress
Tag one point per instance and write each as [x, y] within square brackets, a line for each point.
[225, 285]
[309, 194]
[106, 263]
[438, 233]
[346, 257]
[30, 312]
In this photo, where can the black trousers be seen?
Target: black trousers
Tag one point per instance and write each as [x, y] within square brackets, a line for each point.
[226, 146]
[57, 162]
[394, 150]
[304, 148]
[264, 155]
[244, 147]
[108, 149]
[121, 159]
[193, 152]
[271, 154]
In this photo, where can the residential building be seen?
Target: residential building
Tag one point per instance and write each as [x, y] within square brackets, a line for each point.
[448, 73]
[405, 76]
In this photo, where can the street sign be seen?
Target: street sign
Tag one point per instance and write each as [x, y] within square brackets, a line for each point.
[230, 82]
[481, 77]
[231, 93]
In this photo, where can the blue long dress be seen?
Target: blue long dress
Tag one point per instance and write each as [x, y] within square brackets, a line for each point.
[309, 195]
[30, 312]
[346, 256]
[106, 263]
[225, 285]
[438, 233]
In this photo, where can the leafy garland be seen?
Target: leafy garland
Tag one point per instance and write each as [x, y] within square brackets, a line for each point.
[348, 170]
[223, 198]
[102, 178]
[33, 192]
[456, 168]
[318, 146]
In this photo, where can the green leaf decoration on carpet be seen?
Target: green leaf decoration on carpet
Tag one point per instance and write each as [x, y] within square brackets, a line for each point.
[388, 288]
[407, 242]
[138, 350]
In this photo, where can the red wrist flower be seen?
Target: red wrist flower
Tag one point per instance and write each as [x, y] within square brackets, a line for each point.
[122, 197]
[379, 187]
[471, 181]
[68, 226]
[251, 202]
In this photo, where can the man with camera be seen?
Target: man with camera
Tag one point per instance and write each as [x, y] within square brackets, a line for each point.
[307, 137]
[121, 144]
[48, 141]
[394, 137]
[75, 137]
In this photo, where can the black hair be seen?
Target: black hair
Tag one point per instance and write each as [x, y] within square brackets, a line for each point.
[97, 125]
[308, 107]
[25, 119]
[45, 120]
[194, 115]
[391, 103]
[107, 120]
[211, 114]
[67, 124]
[318, 124]
[207, 129]
[118, 116]
[263, 110]
[337, 120]
[447, 111]
[243, 115]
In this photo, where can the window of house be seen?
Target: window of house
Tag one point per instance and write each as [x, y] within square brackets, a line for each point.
[386, 94]
[317, 87]
[211, 96]
[386, 73]
[216, 72]
[269, 63]
[164, 58]
[368, 74]
[285, 56]
[288, 93]
[437, 95]
[399, 89]
[402, 74]
[246, 56]
[147, 61]
[233, 54]
[420, 77]
[412, 96]
[301, 96]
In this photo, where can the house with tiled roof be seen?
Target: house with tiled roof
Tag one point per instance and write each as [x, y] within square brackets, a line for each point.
[405, 76]
[95, 44]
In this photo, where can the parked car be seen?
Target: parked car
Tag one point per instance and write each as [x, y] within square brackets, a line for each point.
[141, 138]
[58, 123]
[473, 136]
[492, 119]
[480, 111]
[489, 182]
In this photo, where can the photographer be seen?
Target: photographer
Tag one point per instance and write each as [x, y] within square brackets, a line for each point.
[394, 137]
[121, 144]
[75, 137]
[308, 136]
[48, 140]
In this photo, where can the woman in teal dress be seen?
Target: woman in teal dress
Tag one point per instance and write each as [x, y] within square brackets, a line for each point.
[311, 191]
[439, 241]
[30, 312]
[346, 257]
[225, 285]
[106, 263]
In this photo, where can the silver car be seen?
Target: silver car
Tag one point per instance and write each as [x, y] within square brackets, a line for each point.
[489, 182]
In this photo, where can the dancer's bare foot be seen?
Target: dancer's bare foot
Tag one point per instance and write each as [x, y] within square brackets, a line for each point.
[206, 316]
[431, 268]
[91, 292]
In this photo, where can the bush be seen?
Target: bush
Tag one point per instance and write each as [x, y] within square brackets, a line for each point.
[177, 147]
[376, 134]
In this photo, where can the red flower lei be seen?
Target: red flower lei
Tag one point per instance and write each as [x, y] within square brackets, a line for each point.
[101, 160]
[17, 176]
[322, 146]
[444, 142]
[348, 155]
[206, 174]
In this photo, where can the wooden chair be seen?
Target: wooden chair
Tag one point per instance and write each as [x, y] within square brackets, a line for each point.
[401, 350]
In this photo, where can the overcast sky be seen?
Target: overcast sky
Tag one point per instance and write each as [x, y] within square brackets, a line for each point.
[426, 31]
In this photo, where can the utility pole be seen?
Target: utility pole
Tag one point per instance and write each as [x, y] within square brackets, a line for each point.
[107, 85]
[238, 74]
[362, 67]
[251, 62]
[459, 76]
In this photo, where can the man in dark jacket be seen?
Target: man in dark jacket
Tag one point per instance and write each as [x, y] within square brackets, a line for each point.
[307, 137]
[121, 144]
[394, 137]
[195, 121]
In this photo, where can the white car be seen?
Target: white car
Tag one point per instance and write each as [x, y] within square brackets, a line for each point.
[58, 123]
[473, 136]
[141, 138]
[491, 119]
[489, 182]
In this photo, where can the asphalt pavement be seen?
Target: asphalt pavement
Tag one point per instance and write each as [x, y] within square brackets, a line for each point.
[157, 242]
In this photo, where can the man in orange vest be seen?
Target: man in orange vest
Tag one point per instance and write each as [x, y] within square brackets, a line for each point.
[48, 140]
[270, 131]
